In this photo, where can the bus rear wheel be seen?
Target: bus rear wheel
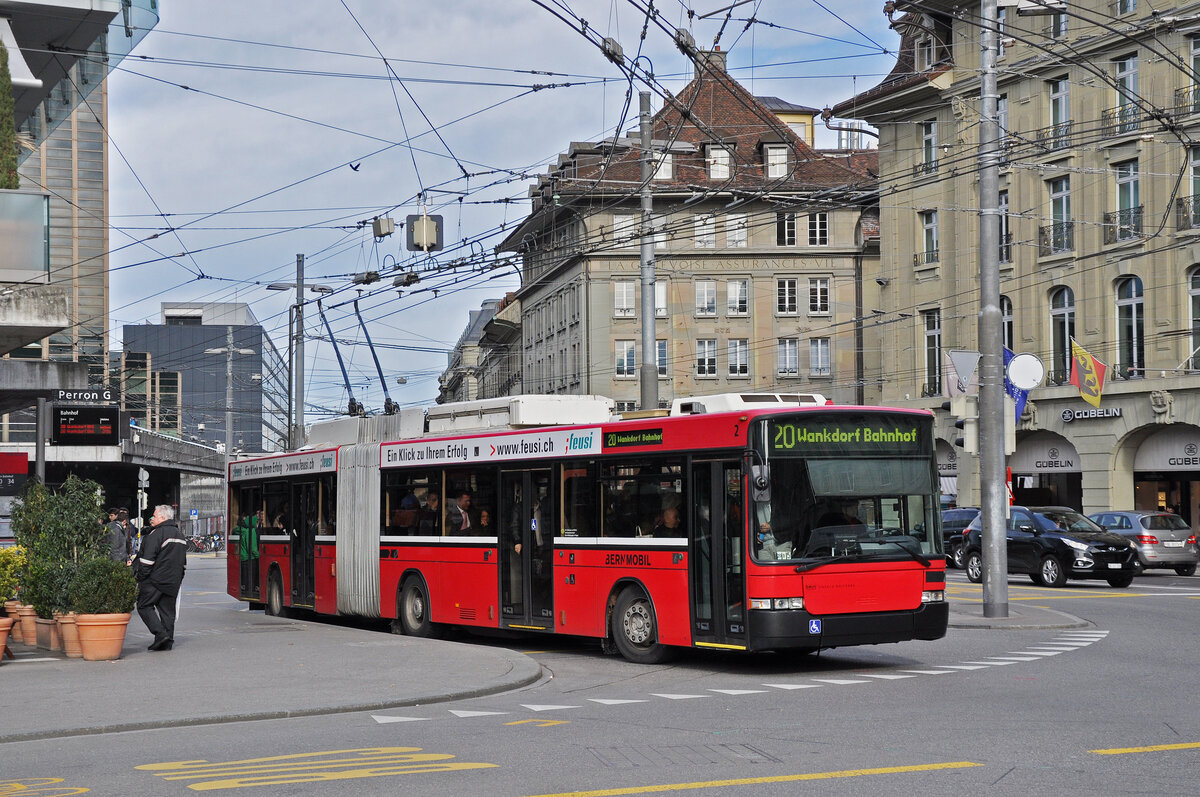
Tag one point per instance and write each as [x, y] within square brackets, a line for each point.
[635, 629]
[274, 606]
[413, 609]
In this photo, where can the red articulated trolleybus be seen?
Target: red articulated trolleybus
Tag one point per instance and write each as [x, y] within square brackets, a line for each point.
[737, 522]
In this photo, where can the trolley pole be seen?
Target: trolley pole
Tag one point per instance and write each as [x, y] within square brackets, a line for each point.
[649, 369]
[991, 334]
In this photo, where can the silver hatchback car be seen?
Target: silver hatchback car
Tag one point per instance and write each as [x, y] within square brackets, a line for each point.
[1163, 539]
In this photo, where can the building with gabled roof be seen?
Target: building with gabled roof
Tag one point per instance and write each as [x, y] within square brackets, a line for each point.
[760, 244]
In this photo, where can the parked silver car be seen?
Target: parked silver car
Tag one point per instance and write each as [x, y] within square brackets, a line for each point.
[1163, 539]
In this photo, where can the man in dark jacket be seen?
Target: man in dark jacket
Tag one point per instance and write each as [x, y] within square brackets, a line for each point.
[159, 569]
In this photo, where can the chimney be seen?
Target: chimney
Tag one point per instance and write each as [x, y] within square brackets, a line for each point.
[709, 61]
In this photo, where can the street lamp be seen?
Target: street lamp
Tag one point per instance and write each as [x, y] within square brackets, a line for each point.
[296, 351]
[228, 350]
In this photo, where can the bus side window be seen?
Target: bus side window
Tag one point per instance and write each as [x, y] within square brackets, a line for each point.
[579, 500]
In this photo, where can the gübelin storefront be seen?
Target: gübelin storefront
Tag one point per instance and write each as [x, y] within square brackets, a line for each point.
[1140, 449]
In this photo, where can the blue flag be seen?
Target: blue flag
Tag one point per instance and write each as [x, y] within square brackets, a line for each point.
[1018, 395]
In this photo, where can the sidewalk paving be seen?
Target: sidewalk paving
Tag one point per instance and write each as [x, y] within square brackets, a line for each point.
[229, 665]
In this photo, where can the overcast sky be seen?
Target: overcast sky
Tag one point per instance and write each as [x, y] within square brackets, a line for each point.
[235, 127]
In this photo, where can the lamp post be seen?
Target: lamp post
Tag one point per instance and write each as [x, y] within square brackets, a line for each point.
[228, 350]
[296, 352]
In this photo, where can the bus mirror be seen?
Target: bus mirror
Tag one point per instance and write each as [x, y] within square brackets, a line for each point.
[760, 483]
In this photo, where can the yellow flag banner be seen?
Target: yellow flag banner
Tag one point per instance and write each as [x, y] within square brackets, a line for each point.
[1087, 373]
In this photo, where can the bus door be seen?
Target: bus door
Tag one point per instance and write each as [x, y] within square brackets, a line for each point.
[527, 529]
[247, 525]
[717, 546]
[305, 519]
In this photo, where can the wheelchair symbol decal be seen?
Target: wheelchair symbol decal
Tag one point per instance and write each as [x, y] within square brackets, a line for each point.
[814, 626]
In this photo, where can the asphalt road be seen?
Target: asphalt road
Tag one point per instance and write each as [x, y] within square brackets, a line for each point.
[1106, 709]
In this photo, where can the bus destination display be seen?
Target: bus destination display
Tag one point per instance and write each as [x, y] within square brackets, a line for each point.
[86, 426]
[859, 434]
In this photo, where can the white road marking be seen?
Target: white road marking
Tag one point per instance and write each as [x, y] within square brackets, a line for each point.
[929, 672]
[538, 707]
[739, 691]
[604, 702]
[465, 714]
[383, 720]
[793, 686]
[679, 697]
[840, 681]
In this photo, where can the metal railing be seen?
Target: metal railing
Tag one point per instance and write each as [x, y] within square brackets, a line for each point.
[1187, 100]
[1125, 371]
[1123, 225]
[1125, 118]
[925, 258]
[925, 167]
[1054, 137]
[1187, 212]
[1056, 238]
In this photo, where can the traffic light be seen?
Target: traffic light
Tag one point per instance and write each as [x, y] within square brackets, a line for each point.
[966, 409]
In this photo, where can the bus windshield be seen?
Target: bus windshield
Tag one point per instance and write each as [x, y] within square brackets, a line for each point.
[846, 487]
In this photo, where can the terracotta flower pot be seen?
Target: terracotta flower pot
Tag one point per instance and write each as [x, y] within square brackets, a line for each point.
[28, 624]
[6, 625]
[10, 609]
[101, 636]
[47, 634]
[70, 635]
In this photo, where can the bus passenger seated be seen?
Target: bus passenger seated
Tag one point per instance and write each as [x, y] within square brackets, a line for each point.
[463, 517]
[670, 525]
[405, 519]
[430, 522]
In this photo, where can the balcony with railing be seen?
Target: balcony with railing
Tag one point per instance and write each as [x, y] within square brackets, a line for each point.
[1056, 238]
[925, 167]
[924, 259]
[1127, 371]
[1125, 118]
[1187, 212]
[1187, 101]
[1054, 137]
[1123, 225]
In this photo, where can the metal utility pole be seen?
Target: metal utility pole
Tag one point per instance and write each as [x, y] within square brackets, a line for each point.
[991, 334]
[228, 397]
[42, 430]
[296, 436]
[649, 369]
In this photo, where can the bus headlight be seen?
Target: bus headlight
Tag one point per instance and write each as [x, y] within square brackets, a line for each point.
[777, 603]
[933, 596]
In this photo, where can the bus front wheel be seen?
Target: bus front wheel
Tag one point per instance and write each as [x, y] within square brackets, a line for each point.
[635, 629]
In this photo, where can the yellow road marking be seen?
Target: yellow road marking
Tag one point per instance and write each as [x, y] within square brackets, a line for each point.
[1152, 749]
[717, 784]
[319, 767]
[1039, 594]
[540, 723]
[39, 787]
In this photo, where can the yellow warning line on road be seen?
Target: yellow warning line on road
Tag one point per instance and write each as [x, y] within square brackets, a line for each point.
[717, 784]
[1151, 749]
[319, 767]
[1040, 594]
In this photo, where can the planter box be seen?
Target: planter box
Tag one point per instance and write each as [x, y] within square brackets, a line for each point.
[48, 637]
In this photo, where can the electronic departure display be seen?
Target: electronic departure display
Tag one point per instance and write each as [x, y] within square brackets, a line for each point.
[86, 426]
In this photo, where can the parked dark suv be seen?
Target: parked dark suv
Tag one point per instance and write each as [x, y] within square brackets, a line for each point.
[953, 523]
[1054, 543]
